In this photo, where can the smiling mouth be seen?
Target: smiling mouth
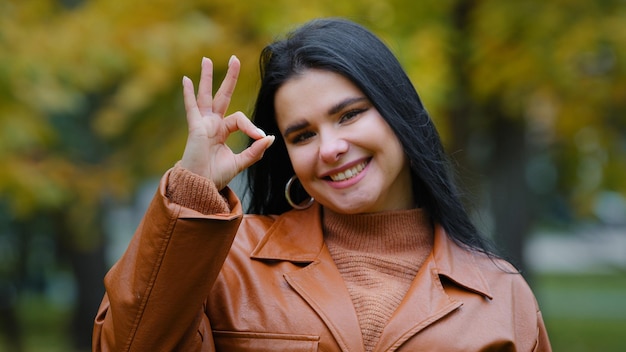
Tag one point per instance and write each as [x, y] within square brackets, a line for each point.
[349, 173]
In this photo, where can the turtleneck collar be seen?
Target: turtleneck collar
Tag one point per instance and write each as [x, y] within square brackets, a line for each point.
[382, 232]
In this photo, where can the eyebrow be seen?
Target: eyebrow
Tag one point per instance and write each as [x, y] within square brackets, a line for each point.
[342, 104]
[333, 110]
[295, 127]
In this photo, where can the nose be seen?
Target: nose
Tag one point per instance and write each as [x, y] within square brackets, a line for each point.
[332, 147]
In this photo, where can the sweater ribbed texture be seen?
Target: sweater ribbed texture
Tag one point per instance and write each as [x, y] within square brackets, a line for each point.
[194, 192]
[378, 256]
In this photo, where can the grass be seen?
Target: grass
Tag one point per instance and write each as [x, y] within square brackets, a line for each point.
[44, 327]
[587, 335]
[584, 312]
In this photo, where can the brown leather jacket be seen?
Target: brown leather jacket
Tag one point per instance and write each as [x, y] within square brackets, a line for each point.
[181, 286]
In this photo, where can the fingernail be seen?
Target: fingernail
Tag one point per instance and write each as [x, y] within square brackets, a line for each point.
[230, 61]
[204, 59]
[261, 132]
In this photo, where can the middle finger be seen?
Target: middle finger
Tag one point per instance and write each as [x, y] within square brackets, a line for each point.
[225, 92]
[205, 87]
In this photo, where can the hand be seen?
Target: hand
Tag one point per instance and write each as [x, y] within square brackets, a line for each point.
[206, 152]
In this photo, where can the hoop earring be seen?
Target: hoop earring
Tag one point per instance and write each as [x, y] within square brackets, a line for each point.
[288, 195]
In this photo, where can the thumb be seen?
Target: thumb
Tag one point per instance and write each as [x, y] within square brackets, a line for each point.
[255, 151]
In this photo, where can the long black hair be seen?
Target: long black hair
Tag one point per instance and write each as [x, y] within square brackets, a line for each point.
[352, 51]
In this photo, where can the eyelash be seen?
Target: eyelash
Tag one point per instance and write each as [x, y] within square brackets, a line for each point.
[349, 115]
[301, 137]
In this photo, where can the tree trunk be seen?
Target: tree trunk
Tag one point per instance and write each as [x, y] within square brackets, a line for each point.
[500, 153]
[89, 269]
[88, 263]
[509, 194]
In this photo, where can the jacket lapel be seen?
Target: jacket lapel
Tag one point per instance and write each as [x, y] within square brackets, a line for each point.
[321, 285]
[296, 236]
[426, 302]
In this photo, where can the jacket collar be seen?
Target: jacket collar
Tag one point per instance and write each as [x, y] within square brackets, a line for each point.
[304, 245]
[295, 236]
[458, 264]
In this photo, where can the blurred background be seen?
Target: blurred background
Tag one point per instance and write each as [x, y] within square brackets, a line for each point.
[529, 97]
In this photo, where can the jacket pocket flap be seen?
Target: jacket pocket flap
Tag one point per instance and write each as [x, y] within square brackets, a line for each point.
[262, 341]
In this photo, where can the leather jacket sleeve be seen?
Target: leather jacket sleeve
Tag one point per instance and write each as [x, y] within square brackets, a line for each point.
[156, 291]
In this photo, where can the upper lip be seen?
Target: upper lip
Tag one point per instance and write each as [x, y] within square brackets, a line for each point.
[342, 168]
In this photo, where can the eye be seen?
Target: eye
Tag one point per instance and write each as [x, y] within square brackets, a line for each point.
[351, 114]
[301, 137]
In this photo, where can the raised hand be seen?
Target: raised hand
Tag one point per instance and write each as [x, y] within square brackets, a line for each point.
[206, 152]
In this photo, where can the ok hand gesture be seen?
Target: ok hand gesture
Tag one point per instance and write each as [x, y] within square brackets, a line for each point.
[206, 152]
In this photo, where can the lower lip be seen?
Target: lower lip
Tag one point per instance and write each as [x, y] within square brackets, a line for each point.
[351, 181]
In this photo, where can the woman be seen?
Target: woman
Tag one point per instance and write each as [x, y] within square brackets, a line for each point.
[378, 254]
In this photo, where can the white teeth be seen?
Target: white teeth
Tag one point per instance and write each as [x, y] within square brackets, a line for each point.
[350, 173]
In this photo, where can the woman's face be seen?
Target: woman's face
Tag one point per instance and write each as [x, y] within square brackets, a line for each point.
[342, 150]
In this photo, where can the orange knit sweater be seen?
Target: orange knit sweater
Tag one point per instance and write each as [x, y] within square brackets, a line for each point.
[378, 256]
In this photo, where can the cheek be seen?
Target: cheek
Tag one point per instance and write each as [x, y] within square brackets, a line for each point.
[302, 161]
[296, 160]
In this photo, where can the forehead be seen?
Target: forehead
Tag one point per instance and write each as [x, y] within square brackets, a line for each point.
[312, 94]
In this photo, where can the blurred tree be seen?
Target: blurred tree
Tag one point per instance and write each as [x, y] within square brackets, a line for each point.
[541, 73]
[528, 95]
